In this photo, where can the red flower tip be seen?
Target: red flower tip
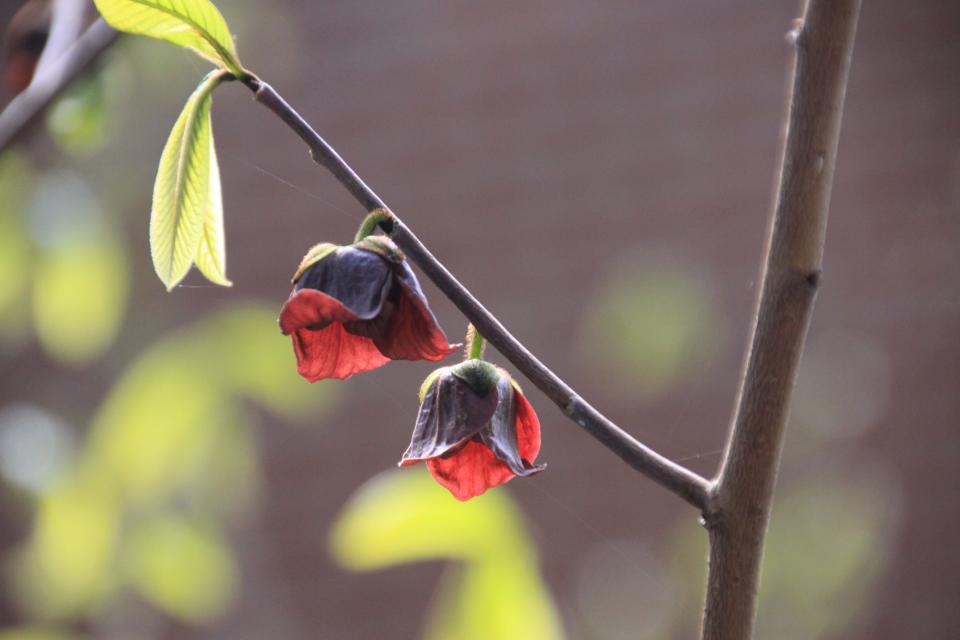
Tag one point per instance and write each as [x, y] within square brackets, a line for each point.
[355, 308]
[475, 430]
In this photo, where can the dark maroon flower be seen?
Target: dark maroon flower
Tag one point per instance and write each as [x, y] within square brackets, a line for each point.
[475, 430]
[355, 308]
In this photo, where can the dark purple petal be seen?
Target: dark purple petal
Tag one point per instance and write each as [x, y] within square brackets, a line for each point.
[451, 413]
[359, 280]
[501, 433]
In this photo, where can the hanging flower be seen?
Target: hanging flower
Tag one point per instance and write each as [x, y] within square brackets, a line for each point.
[357, 307]
[475, 430]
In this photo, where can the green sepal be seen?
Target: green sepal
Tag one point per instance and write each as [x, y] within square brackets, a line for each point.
[479, 374]
[475, 344]
[429, 380]
[506, 374]
[372, 222]
[316, 253]
[383, 247]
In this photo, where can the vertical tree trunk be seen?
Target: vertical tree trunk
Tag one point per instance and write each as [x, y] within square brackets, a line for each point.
[743, 491]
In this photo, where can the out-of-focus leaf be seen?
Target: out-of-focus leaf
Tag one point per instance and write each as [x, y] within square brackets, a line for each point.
[66, 566]
[183, 568]
[78, 120]
[181, 192]
[493, 600]
[156, 418]
[496, 593]
[172, 434]
[212, 252]
[79, 295]
[404, 517]
[14, 245]
[827, 543]
[195, 24]
[254, 360]
[648, 325]
[827, 540]
[226, 479]
[36, 633]
[158, 427]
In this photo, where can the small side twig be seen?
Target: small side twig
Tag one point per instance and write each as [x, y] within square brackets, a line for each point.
[66, 25]
[52, 79]
[740, 503]
[676, 478]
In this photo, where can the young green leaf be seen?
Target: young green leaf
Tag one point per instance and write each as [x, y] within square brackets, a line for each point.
[181, 194]
[195, 24]
[211, 254]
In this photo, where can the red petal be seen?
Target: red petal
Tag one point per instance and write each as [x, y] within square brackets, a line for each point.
[413, 333]
[528, 429]
[333, 352]
[470, 471]
[328, 352]
[309, 308]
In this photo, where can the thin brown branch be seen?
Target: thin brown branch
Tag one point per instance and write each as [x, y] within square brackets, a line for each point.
[743, 492]
[661, 470]
[52, 79]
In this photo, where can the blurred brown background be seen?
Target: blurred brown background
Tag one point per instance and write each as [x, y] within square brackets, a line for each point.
[599, 175]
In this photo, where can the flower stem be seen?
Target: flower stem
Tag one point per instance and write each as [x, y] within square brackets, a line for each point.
[373, 220]
[475, 344]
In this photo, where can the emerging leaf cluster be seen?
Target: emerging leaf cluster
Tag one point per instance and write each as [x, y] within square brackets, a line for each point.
[194, 24]
[186, 222]
[186, 218]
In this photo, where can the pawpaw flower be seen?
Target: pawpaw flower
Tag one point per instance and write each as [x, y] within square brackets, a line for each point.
[354, 308]
[475, 430]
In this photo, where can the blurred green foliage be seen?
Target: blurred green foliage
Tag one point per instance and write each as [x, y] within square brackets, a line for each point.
[15, 246]
[62, 266]
[181, 565]
[493, 591]
[650, 325]
[168, 462]
[86, 281]
[827, 542]
[35, 633]
[78, 119]
[169, 459]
